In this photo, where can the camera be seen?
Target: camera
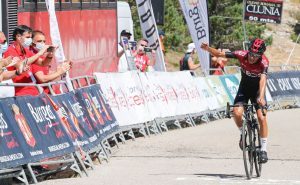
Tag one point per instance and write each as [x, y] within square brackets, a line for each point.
[147, 49]
[50, 49]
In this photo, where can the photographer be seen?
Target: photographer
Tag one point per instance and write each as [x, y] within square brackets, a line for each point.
[42, 72]
[122, 64]
[144, 56]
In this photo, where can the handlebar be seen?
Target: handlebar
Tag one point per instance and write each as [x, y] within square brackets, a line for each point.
[228, 115]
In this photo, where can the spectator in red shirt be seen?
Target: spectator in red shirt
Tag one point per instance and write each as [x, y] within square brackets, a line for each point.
[5, 76]
[218, 63]
[141, 56]
[19, 48]
[42, 72]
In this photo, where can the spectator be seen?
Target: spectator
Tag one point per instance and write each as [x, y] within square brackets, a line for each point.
[20, 49]
[218, 64]
[142, 58]
[5, 76]
[41, 72]
[123, 64]
[187, 63]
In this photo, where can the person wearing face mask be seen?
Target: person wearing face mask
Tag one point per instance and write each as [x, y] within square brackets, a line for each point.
[42, 72]
[5, 76]
[142, 57]
[20, 49]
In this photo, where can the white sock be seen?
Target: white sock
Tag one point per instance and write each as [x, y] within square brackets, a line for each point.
[264, 142]
[241, 130]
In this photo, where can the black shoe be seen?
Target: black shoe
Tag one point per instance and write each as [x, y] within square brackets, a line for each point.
[241, 141]
[262, 157]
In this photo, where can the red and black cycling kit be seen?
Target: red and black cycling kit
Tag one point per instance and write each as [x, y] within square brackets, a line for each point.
[249, 86]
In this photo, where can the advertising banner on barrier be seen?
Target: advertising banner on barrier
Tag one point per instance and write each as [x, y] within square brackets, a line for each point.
[140, 97]
[31, 130]
[101, 121]
[124, 93]
[13, 136]
[77, 124]
[284, 83]
[218, 89]
[174, 93]
[209, 95]
[110, 122]
[231, 85]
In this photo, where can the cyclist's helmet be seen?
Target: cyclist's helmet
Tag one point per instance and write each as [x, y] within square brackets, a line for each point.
[257, 46]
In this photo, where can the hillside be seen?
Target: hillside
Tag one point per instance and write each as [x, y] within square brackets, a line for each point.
[280, 50]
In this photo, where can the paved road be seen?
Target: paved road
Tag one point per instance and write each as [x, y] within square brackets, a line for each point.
[207, 154]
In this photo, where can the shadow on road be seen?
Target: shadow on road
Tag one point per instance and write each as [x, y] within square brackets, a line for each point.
[222, 176]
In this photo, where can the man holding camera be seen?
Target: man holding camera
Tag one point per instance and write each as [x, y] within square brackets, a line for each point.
[142, 57]
[41, 71]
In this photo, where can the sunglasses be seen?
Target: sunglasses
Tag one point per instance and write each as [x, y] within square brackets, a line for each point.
[41, 41]
[143, 45]
[255, 55]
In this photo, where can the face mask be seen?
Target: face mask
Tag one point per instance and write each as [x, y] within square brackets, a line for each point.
[27, 42]
[3, 47]
[39, 46]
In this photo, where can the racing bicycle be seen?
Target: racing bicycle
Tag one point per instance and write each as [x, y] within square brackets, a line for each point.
[251, 142]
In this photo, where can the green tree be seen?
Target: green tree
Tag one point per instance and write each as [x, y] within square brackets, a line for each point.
[225, 18]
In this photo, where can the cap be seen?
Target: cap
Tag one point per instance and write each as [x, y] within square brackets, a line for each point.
[190, 47]
[125, 32]
[160, 32]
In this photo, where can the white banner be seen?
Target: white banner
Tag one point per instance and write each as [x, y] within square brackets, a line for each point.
[150, 32]
[208, 94]
[196, 16]
[140, 97]
[54, 31]
[218, 89]
[124, 94]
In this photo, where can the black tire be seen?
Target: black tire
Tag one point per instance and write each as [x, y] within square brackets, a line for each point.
[247, 143]
[257, 143]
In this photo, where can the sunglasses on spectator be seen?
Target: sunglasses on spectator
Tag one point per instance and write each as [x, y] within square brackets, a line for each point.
[143, 45]
[41, 41]
[2, 41]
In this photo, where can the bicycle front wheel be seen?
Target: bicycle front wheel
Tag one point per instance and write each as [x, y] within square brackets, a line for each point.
[247, 143]
[257, 145]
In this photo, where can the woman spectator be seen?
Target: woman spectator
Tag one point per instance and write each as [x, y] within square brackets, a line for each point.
[20, 49]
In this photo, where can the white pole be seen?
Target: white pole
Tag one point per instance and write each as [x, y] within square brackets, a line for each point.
[244, 26]
[288, 60]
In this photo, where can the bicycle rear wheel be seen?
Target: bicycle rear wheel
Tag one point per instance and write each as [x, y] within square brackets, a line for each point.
[257, 144]
[247, 139]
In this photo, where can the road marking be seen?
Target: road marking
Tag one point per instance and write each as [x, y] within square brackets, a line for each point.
[239, 181]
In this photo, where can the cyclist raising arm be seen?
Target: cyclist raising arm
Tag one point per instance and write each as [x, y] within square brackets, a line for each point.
[254, 67]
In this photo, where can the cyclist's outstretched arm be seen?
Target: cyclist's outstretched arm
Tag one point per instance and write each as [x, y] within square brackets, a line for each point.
[213, 51]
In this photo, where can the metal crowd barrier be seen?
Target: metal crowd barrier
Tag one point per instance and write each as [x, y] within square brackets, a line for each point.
[104, 150]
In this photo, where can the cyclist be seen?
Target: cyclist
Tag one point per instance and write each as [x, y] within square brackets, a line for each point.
[254, 67]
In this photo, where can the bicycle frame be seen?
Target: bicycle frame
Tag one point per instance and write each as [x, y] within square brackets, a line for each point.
[250, 139]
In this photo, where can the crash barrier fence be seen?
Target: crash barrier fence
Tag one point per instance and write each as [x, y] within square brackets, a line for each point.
[78, 123]
[45, 130]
